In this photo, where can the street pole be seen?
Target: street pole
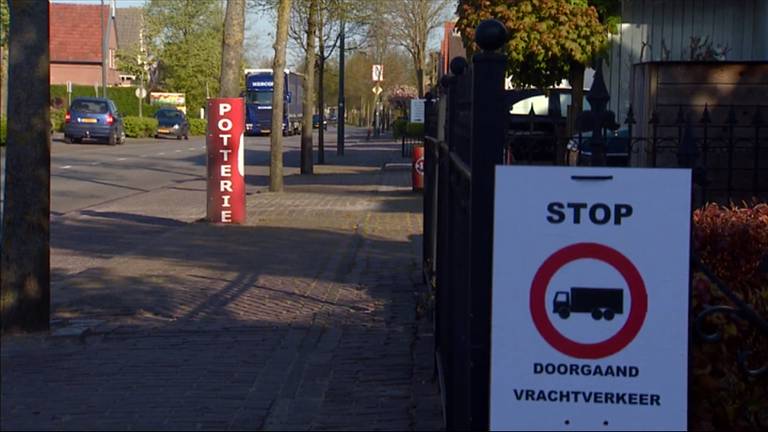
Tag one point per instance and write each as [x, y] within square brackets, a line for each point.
[103, 50]
[105, 24]
[340, 116]
[321, 87]
[141, 92]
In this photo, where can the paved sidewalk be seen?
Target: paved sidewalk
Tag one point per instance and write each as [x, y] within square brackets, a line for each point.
[308, 317]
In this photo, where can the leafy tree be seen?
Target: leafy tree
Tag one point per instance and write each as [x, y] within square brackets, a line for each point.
[4, 20]
[546, 36]
[184, 38]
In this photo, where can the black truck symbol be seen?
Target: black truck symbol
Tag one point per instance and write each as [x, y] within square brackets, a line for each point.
[600, 302]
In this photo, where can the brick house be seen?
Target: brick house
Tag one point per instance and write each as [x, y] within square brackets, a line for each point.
[76, 44]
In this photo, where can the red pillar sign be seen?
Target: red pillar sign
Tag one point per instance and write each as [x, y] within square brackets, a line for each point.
[226, 165]
[417, 167]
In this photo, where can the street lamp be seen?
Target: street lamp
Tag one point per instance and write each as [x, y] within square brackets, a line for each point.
[340, 114]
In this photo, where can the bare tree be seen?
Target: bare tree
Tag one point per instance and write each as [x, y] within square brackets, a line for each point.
[278, 70]
[25, 290]
[411, 23]
[232, 49]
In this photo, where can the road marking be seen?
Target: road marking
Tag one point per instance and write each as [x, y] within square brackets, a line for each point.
[177, 151]
[161, 154]
[66, 167]
[121, 159]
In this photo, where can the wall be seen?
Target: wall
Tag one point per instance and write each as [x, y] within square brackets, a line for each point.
[656, 30]
[81, 74]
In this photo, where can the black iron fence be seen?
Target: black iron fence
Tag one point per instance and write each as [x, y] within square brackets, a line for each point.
[469, 130]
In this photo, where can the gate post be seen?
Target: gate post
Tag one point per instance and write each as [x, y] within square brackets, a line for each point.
[489, 126]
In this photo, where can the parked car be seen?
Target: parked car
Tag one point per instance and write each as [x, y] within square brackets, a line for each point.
[93, 118]
[316, 122]
[172, 122]
[617, 148]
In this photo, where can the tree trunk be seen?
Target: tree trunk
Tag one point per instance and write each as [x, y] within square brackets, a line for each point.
[308, 105]
[25, 290]
[232, 49]
[278, 97]
[420, 82]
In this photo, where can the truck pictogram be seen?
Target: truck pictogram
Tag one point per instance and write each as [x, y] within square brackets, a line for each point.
[600, 302]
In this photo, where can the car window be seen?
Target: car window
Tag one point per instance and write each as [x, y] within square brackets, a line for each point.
[539, 103]
[565, 100]
[90, 107]
[170, 115]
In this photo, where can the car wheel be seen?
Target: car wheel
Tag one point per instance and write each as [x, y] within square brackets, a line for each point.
[122, 137]
[186, 137]
[178, 137]
[112, 138]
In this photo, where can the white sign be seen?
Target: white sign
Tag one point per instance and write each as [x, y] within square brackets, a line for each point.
[140, 92]
[590, 299]
[417, 111]
[69, 86]
[377, 72]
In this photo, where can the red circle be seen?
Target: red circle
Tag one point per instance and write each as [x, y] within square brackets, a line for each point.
[419, 165]
[611, 257]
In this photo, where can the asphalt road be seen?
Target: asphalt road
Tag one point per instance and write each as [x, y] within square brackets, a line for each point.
[140, 173]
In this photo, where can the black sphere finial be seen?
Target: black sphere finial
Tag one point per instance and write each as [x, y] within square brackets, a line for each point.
[458, 65]
[491, 35]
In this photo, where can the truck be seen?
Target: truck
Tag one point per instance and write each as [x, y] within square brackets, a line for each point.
[259, 85]
[600, 302]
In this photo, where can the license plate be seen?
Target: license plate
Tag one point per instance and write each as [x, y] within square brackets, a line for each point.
[88, 120]
[163, 130]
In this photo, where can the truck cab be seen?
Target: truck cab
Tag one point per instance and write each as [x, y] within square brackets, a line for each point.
[259, 88]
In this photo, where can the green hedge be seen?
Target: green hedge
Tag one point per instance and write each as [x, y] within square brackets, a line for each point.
[402, 127]
[399, 127]
[139, 127]
[124, 98]
[197, 126]
[57, 119]
[2, 130]
[415, 130]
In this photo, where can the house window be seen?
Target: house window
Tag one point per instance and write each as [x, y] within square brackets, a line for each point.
[112, 64]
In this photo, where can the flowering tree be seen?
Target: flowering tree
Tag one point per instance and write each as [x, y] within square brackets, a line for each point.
[546, 38]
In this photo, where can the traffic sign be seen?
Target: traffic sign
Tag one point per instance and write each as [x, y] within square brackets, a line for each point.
[377, 72]
[419, 166]
[590, 298]
[140, 92]
[377, 90]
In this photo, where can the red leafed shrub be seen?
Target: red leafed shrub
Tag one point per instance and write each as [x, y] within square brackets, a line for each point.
[731, 242]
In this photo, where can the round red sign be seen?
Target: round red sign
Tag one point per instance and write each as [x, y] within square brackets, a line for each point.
[419, 166]
[637, 292]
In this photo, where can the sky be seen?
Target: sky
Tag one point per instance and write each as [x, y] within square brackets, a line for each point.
[260, 29]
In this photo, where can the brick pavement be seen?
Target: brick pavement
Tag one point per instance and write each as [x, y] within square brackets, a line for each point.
[305, 318]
